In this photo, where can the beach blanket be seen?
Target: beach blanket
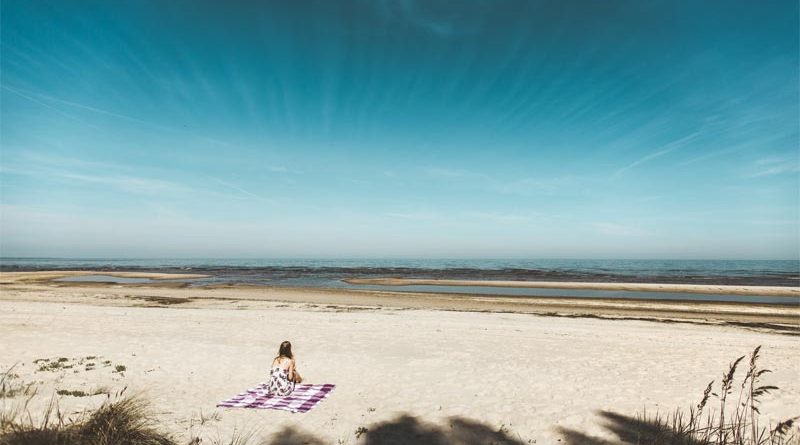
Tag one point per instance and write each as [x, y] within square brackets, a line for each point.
[302, 399]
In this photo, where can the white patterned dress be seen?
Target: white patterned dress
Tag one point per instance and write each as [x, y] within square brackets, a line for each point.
[279, 383]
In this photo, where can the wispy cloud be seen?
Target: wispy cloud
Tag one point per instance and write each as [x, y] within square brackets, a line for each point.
[411, 12]
[74, 170]
[647, 158]
[239, 189]
[131, 184]
[774, 166]
[33, 158]
[749, 143]
[669, 148]
[648, 198]
[415, 216]
[126, 183]
[536, 186]
[460, 217]
[45, 105]
[439, 172]
[615, 229]
[116, 177]
[42, 99]
[28, 95]
[775, 222]
[533, 185]
[712, 155]
[503, 218]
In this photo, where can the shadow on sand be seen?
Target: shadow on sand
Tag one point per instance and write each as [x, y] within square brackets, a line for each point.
[407, 430]
[629, 430]
[460, 431]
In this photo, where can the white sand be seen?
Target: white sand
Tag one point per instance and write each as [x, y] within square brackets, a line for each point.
[532, 374]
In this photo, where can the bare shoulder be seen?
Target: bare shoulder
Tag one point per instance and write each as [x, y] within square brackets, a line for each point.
[283, 362]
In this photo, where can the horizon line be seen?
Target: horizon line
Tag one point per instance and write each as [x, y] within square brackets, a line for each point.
[326, 258]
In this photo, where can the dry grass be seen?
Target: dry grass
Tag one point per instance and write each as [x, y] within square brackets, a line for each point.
[11, 386]
[81, 393]
[736, 423]
[123, 422]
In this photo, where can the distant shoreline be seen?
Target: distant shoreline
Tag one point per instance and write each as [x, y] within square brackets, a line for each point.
[40, 287]
[56, 274]
[326, 272]
[774, 291]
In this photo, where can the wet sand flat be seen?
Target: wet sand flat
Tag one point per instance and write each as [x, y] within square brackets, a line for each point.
[39, 286]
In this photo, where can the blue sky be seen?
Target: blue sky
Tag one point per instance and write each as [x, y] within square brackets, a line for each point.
[619, 129]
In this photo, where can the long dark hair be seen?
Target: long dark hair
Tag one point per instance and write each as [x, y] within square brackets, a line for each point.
[285, 350]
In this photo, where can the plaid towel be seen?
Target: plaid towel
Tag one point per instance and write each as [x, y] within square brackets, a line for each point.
[302, 399]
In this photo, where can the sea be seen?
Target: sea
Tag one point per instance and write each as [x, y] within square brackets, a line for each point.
[331, 273]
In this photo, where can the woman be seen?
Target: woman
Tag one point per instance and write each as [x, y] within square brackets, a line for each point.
[283, 375]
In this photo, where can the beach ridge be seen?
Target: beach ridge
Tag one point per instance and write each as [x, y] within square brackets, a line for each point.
[774, 291]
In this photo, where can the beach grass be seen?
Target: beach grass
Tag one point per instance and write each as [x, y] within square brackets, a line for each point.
[126, 421]
[738, 422]
[735, 422]
[11, 386]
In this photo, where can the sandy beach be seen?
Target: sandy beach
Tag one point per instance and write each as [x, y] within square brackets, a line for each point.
[470, 222]
[542, 370]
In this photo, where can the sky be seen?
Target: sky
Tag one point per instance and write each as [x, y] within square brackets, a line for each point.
[400, 128]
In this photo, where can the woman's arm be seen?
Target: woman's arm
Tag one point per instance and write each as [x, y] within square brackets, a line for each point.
[293, 374]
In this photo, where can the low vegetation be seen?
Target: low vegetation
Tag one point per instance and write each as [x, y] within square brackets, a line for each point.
[124, 422]
[57, 364]
[737, 421]
[82, 393]
[11, 386]
[720, 418]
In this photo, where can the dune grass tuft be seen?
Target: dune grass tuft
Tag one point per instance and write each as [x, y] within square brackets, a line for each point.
[11, 386]
[123, 422]
[733, 424]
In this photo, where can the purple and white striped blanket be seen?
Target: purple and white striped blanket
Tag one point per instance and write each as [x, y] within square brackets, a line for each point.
[301, 400]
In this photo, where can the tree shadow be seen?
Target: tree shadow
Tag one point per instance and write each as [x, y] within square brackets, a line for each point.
[631, 430]
[458, 431]
[291, 436]
[406, 430]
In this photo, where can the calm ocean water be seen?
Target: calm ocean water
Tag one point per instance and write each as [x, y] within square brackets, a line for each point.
[327, 272]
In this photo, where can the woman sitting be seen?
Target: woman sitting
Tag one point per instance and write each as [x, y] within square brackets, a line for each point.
[283, 375]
